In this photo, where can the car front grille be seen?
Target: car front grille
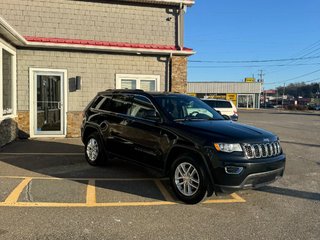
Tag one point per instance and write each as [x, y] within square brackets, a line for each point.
[262, 150]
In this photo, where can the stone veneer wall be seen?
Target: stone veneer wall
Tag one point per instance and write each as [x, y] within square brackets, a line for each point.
[179, 74]
[23, 120]
[74, 120]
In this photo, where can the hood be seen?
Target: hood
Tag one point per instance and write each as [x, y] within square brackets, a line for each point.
[229, 131]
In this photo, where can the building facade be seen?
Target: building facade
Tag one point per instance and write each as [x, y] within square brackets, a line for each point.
[56, 55]
[243, 94]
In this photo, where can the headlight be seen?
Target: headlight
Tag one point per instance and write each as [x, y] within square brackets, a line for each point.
[228, 147]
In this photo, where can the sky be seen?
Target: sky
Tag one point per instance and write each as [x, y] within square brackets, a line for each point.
[236, 31]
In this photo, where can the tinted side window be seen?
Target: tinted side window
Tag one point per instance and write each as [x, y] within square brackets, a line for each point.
[96, 102]
[211, 103]
[223, 104]
[105, 104]
[142, 108]
[121, 104]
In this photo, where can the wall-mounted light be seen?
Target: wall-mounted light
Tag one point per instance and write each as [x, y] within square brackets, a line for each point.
[78, 83]
[74, 84]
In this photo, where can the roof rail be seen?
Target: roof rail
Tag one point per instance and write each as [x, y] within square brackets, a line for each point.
[124, 90]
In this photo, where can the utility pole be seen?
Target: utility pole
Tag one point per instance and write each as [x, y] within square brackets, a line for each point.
[284, 89]
[261, 75]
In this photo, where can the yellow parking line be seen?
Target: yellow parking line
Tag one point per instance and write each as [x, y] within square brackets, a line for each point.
[91, 192]
[42, 154]
[67, 205]
[235, 199]
[164, 191]
[14, 195]
[84, 179]
[12, 199]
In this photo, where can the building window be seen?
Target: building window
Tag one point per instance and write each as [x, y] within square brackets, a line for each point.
[145, 82]
[246, 101]
[7, 81]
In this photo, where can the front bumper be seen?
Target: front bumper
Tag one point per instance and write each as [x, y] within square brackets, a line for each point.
[252, 181]
[254, 174]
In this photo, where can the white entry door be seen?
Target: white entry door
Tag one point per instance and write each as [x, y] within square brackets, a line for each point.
[48, 109]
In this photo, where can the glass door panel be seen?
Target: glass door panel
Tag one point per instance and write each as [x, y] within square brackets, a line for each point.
[49, 104]
[250, 101]
[242, 101]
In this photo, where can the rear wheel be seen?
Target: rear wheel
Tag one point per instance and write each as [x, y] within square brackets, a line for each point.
[94, 151]
[188, 179]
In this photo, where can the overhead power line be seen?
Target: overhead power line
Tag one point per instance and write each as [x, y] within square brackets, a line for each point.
[255, 61]
[244, 66]
[294, 78]
[312, 80]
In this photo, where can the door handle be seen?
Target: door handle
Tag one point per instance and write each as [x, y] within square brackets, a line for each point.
[59, 105]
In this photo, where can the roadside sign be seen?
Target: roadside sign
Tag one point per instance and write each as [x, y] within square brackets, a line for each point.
[232, 97]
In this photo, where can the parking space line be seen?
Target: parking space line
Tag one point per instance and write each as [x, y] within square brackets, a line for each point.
[12, 199]
[86, 179]
[235, 199]
[14, 195]
[67, 205]
[167, 196]
[48, 154]
[91, 193]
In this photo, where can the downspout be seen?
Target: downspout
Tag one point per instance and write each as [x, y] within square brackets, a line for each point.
[169, 77]
[181, 26]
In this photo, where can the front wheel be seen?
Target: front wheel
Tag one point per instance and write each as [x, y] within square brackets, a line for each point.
[188, 179]
[93, 150]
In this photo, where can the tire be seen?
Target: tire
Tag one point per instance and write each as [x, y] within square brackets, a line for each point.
[94, 151]
[188, 179]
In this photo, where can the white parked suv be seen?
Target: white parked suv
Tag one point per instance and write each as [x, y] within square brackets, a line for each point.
[225, 107]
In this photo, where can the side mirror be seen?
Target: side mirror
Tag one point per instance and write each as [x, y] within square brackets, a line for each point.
[226, 117]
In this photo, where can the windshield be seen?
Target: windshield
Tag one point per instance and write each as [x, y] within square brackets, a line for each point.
[183, 108]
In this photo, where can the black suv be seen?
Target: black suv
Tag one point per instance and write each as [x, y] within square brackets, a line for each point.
[184, 138]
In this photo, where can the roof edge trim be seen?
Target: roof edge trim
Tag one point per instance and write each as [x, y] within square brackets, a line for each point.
[11, 33]
[173, 2]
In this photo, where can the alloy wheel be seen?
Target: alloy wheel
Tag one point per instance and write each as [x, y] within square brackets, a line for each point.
[187, 179]
[92, 149]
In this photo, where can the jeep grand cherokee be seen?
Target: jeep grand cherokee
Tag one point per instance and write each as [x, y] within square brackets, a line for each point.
[182, 137]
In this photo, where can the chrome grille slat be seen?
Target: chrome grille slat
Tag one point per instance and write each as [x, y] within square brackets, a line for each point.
[257, 152]
[262, 150]
[269, 149]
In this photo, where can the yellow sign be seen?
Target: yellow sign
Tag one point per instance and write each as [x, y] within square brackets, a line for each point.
[232, 97]
[216, 96]
[250, 80]
[192, 94]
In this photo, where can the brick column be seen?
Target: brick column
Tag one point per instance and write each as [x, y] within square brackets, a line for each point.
[74, 120]
[179, 74]
[23, 120]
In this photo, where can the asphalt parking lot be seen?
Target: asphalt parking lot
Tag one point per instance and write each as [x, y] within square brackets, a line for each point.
[48, 191]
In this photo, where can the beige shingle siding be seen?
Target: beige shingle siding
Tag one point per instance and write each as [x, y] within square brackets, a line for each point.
[224, 87]
[91, 20]
[97, 72]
